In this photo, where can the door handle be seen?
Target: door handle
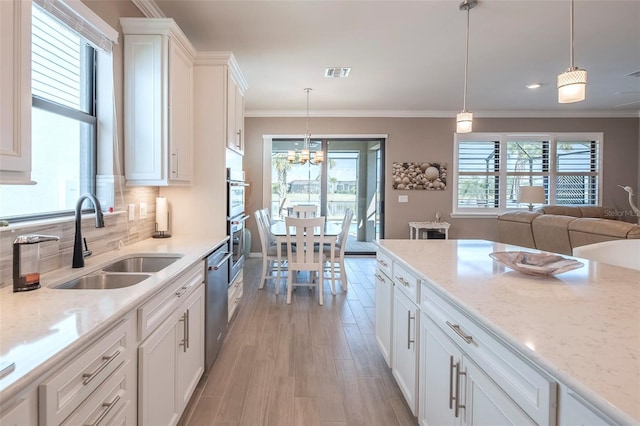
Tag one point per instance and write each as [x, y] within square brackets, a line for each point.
[222, 262]
[458, 374]
[409, 340]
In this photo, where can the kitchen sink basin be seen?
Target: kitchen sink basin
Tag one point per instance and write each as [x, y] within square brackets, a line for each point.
[102, 281]
[141, 264]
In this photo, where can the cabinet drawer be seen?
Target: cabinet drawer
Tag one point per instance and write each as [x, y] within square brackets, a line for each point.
[406, 281]
[160, 306]
[235, 294]
[65, 391]
[529, 387]
[106, 403]
[384, 263]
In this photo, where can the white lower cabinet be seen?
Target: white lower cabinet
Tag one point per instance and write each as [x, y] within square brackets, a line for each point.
[455, 391]
[573, 410]
[404, 357]
[20, 411]
[384, 310]
[99, 385]
[170, 363]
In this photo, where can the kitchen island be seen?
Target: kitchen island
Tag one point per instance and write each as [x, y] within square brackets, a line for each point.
[43, 329]
[580, 328]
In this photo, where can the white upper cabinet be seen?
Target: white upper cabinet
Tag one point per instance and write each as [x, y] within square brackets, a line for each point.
[235, 114]
[158, 102]
[15, 92]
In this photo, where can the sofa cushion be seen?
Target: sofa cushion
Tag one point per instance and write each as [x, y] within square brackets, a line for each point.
[551, 233]
[561, 210]
[585, 231]
[598, 212]
[515, 228]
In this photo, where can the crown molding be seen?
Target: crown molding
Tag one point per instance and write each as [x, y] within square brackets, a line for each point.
[149, 8]
[439, 114]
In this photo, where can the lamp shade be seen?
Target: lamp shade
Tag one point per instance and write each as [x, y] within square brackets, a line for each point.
[572, 86]
[464, 122]
[531, 194]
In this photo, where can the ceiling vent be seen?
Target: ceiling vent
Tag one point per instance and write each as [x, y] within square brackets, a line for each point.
[337, 72]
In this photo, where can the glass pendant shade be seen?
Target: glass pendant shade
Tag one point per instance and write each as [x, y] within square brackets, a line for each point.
[572, 86]
[319, 157]
[464, 122]
[304, 155]
[291, 156]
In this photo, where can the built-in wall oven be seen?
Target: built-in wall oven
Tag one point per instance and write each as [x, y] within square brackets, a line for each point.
[235, 219]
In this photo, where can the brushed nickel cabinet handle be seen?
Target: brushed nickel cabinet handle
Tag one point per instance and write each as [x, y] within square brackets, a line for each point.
[88, 377]
[188, 329]
[380, 277]
[109, 406]
[409, 318]
[455, 327]
[382, 262]
[403, 282]
[184, 343]
[451, 397]
[458, 374]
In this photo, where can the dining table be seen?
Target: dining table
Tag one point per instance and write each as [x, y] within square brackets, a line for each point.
[331, 231]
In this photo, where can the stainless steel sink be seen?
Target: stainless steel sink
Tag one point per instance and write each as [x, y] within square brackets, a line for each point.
[102, 281]
[141, 264]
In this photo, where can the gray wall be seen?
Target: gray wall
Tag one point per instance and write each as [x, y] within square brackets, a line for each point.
[431, 139]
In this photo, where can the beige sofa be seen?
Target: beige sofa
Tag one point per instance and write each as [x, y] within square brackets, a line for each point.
[559, 229]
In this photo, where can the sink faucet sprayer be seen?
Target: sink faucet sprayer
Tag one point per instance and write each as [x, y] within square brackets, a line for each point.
[78, 253]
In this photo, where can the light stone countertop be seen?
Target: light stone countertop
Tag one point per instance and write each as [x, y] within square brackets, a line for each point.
[581, 326]
[41, 328]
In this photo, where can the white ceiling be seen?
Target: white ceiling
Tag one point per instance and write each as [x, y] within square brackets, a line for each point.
[407, 57]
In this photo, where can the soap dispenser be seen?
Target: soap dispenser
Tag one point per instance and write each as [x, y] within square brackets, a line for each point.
[26, 261]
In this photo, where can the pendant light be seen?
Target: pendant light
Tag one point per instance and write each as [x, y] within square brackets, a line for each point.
[464, 120]
[304, 156]
[572, 84]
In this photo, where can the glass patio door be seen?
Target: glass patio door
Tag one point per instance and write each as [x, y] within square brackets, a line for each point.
[348, 178]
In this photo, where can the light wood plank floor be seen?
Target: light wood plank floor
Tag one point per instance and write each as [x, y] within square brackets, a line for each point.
[301, 364]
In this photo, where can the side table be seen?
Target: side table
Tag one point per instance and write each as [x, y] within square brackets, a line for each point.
[415, 227]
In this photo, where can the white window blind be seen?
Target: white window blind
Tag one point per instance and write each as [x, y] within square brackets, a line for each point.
[490, 169]
[82, 20]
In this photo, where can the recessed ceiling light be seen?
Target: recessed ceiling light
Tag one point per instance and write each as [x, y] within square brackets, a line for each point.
[337, 72]
[533, 85]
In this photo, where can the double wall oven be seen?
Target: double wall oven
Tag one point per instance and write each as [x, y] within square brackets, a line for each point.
[235, 219]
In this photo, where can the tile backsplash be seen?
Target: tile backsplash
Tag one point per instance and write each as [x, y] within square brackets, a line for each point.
[118, 229]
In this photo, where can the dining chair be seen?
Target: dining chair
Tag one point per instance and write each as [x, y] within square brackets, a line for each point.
[305, 211]
[336, 257]
[303, 255]
[270, 260]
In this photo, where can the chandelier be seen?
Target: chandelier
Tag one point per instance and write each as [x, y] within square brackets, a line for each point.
[304, 156]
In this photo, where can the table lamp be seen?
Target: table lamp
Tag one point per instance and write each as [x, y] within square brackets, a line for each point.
[532, 195]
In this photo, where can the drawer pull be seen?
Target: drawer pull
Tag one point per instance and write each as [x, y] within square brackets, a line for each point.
[403, 282]
[109, 406]
[182, 291]
[88, 377]
[380, 277]
[455, 327]
[383, 263]
[409, 340]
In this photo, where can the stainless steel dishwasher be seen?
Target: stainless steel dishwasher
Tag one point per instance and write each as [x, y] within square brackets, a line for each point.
[216, 302]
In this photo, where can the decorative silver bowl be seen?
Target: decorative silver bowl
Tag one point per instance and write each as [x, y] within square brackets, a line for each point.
[535, 263]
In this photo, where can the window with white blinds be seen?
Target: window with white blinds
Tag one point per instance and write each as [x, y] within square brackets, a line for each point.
[63, 121]
[490, 169]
